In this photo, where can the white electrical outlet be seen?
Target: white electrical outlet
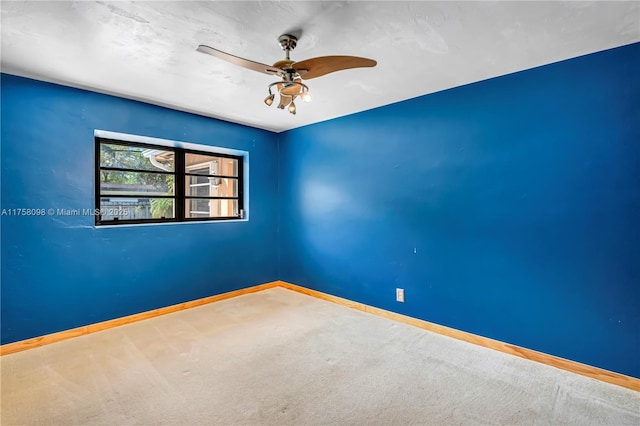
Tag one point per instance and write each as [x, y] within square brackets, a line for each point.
[400, 295]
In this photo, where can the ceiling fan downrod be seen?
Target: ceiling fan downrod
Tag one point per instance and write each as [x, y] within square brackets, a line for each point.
[287, 43]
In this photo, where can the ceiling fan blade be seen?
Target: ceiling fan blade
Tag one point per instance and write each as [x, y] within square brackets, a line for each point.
[317, 67]
[236, 60]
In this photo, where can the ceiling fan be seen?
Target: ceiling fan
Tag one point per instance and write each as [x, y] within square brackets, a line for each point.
[291, 72]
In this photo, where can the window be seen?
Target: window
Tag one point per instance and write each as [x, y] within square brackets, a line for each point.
[143, 183]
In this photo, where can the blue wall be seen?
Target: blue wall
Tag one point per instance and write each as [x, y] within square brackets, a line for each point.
[62, 272]
[509, 208]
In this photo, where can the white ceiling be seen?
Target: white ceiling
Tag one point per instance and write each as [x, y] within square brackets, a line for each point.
[146, 50]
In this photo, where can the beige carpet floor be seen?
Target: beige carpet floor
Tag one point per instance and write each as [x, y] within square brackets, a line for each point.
[281, 358]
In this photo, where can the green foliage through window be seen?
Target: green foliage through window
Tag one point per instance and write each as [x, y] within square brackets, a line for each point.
[138, 183]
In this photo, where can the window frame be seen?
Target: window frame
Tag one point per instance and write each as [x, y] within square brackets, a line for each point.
[180, 174]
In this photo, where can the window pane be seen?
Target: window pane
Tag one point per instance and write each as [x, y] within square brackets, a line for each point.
[211, 165]
[133, 157]
[206, 186]
[136, 208]
[198, 207]
[135, 183]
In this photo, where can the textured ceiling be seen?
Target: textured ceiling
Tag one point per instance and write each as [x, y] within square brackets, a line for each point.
[147, 50]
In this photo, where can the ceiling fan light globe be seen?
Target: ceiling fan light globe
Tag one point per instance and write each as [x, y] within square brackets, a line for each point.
[292, 108]
[269, 99]
[306, 97]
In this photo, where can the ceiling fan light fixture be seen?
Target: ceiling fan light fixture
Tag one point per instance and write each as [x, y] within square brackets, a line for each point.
[269, 99]
[288, 88]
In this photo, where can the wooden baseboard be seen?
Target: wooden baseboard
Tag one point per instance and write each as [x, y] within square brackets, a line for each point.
[92, 328]
[564, 364]
[554, 361]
